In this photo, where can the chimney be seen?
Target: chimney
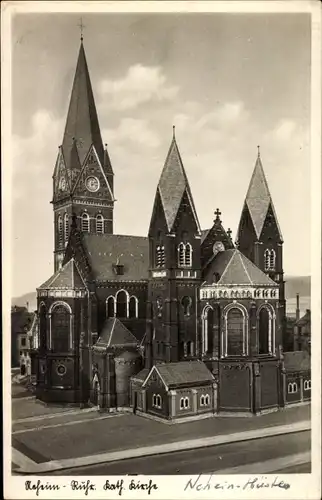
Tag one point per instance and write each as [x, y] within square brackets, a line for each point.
[297, 315]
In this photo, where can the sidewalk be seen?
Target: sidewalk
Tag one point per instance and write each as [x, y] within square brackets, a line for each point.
[27, 466]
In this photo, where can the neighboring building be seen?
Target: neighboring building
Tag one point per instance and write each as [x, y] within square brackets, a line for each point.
[180, 323]
[297, 366]
[21, 320]
[302, 329]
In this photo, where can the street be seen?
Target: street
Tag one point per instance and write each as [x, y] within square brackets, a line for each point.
[210, 459]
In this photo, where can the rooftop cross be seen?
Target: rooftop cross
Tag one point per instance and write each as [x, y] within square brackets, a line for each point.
[174, 131]
[81, 27]
[258, 152]
[217, 214]
[229, 231]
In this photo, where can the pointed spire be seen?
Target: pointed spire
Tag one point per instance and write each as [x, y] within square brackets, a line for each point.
[82, 125]
[172, 185]
[258, 197]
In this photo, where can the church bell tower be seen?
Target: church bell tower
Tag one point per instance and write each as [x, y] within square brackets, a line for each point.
[259, 236]
[83, 176]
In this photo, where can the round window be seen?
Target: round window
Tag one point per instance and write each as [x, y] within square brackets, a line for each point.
[61, 370]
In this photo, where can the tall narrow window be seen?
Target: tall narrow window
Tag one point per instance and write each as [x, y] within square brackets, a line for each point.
[235, 332]
[181, 255]
[99, 224]
[60, 230]
[133, 307]
[85, 223]
[160, 256]
[188, 255]
[42, 327]
[121, 304]
[272, 260]
[186, 305]
[60, 329]
[207, 330]
[267, 255]
[110, 307]
[264, 331]
[66, 228]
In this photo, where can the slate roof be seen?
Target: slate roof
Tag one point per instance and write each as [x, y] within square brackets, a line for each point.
[258, 199]
[105, 251]
[184, 372]
[173, 184]
[115, 334]
[82, 121]
[68, 277]
[204, 234]
[297, 361]
[234, 268]
[141, 376]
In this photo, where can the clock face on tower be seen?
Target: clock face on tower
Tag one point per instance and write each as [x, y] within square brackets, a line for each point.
[92, 184]
[218, 247]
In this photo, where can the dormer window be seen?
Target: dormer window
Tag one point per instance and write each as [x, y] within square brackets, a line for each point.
[85, 223]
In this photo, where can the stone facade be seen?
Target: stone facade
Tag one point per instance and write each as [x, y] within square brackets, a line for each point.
[123, 313]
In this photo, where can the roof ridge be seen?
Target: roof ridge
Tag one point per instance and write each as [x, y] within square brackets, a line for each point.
[112, 331]
[243, 264]
[228, 263]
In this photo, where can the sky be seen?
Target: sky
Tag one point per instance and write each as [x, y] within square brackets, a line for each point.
[228, 82]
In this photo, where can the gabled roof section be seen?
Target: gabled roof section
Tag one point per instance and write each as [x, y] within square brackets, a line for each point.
[173, 184]
[182, 373]
[68, 277]
[115, 334]
[82, 122]
[233, 268]
[105, 251]
[258, 198]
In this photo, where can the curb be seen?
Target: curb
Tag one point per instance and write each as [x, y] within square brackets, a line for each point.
[72, 463]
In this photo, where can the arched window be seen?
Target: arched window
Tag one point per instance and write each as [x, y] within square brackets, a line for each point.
[181, 255]
[307, 385]
[60, 230]
[272, 260]
[292, 388]
[188, 255]
[99, 224]
[186, 305]
[85, 223]
[66, 228]
[267, 255]
[202, 400]
[235, 332]
[43, 327]
[110, 307]
[121, 304]
[160, 256]
[264, 331]
[184, 403]
[133, 307]
[60, 329]
[191, 350]
[207, 330]
[207, 399]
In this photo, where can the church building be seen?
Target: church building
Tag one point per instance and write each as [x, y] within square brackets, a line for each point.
[182, 323]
